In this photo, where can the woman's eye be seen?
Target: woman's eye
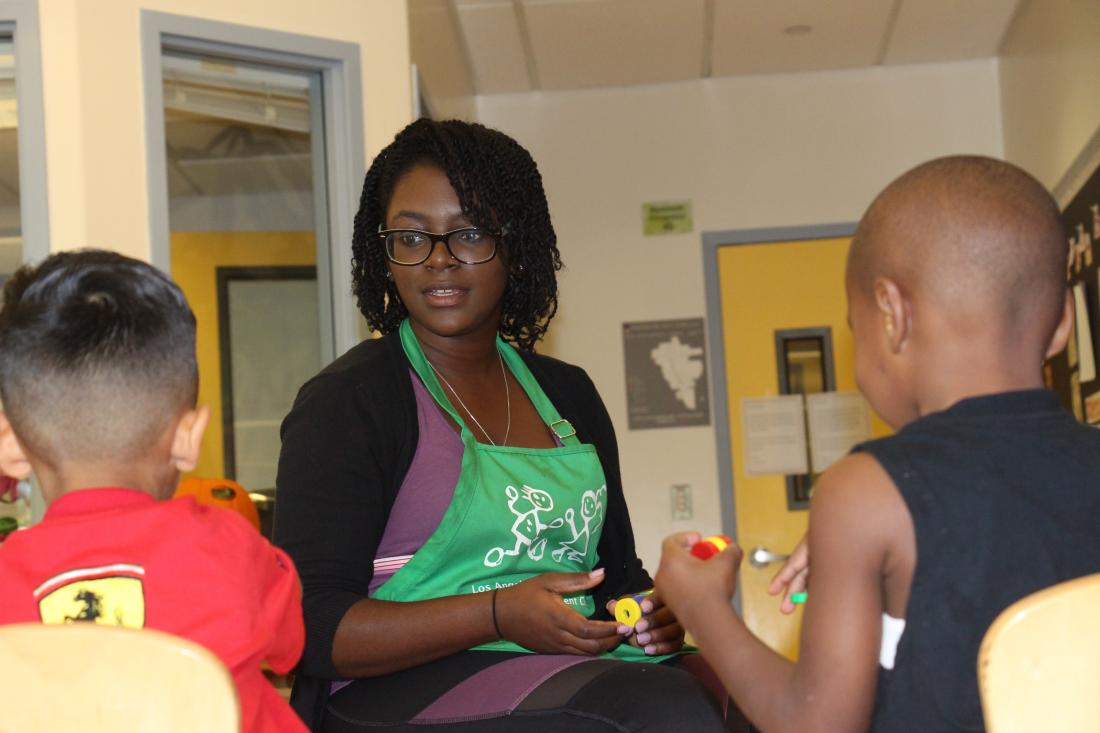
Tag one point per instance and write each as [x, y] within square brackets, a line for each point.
[411, 239]
[471, 236]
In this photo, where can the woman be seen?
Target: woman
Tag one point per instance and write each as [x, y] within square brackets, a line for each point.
[451, 501]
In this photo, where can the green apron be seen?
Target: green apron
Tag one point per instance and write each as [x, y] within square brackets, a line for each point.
[516, 512]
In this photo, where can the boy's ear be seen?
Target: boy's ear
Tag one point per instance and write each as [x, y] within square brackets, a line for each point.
[187, 440]
[894, 312]
[13, 460]
[1064, 330]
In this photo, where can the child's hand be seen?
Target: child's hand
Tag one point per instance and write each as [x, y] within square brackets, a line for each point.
[690, 585]
[658, 631]
[793, 577]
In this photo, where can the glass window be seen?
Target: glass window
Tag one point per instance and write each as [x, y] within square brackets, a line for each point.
[11, 240]
[15, 497]
[805, 363]
[248, 240]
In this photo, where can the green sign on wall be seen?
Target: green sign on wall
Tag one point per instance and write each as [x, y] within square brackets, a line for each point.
[667, 218]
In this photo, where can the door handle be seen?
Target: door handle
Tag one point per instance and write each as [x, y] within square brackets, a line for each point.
[761, 557]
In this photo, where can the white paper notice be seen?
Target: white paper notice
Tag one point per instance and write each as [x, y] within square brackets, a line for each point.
[775, 435]
[1084, 335]
[838, 420]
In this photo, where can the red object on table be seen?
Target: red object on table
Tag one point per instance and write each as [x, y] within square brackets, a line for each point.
[708, 547]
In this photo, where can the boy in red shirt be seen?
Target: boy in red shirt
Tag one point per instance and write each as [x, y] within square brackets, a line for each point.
[98, 380]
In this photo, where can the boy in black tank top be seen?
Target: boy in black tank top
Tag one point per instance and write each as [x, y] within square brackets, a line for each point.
[988, 491]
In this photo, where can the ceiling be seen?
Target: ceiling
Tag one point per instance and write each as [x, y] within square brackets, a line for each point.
[465, 47]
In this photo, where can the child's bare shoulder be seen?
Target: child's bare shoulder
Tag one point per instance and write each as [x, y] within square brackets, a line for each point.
[856, 499]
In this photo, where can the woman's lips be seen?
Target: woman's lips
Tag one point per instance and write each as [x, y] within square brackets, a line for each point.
[443, 297]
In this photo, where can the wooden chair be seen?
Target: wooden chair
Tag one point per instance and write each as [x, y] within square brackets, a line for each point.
[1039, 663]
[91, 678]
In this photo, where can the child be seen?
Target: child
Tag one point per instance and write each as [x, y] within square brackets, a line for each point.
[988, 491]
[98, 381]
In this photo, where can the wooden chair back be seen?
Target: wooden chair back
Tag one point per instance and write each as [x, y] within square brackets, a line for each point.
[1039, 663]
[92, 678]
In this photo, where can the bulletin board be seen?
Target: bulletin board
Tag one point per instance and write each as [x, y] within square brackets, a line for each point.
[1069, 373]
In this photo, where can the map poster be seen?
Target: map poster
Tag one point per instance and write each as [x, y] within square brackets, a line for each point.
[666, 378]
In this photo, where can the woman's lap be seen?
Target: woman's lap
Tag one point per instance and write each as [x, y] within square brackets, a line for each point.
[478, 691]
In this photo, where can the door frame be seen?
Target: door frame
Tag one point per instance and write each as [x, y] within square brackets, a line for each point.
[338, 63]
[712, 243]
[19, 19]
[225, 275]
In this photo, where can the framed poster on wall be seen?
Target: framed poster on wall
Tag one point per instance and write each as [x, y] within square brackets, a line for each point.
[1072, 373]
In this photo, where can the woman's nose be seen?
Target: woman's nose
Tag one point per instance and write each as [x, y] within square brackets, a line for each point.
[440, 257]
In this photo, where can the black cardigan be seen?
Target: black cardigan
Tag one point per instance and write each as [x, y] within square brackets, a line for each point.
[347, 444]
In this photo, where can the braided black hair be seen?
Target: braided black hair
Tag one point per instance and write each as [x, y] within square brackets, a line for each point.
[499, 188]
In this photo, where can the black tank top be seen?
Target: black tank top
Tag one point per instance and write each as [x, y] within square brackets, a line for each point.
[1004, 491]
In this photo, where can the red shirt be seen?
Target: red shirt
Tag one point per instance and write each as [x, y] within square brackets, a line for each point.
[118, 556]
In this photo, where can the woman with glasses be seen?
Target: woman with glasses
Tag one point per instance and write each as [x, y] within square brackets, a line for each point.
[451, 498]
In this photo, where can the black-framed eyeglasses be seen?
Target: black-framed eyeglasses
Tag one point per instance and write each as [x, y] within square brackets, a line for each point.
[468, 245]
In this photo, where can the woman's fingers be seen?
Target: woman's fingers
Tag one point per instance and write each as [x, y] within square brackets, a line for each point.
[663, 616]
[534, 615]
[659, 632]
[589, 637]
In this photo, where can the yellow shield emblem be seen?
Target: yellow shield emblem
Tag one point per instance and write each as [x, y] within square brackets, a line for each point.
[113, 596]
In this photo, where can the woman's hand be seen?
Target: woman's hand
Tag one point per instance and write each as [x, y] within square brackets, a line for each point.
[658, 631]
[534, 615]
[793, 577]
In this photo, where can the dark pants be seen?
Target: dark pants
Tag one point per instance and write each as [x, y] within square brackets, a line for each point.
[598, 696]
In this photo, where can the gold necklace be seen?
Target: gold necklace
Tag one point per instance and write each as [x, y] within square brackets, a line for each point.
[507, 397]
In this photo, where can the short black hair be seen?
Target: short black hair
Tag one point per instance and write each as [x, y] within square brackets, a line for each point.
[97, 356]
[499, 188]
[970, 232]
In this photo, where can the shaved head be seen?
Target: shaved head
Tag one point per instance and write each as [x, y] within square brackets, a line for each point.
[973, 236]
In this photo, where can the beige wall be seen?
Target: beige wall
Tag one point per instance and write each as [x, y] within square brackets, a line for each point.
[1049, 94]
[768, 151]
[94, 105]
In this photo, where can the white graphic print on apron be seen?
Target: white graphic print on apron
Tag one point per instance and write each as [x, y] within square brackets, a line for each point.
[526, 504]
[592, 514]
[529, 530]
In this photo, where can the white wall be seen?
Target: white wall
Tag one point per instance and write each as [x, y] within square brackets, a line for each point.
[767, 151]
[1049, 90]
[94, 101]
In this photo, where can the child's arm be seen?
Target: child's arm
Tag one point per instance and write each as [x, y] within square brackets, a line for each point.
[282, 609]
[856, 520]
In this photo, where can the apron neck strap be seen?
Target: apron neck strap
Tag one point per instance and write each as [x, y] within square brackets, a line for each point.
[559, 426]
[423, 369]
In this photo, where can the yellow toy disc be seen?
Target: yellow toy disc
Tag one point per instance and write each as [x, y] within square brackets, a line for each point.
[628, 611]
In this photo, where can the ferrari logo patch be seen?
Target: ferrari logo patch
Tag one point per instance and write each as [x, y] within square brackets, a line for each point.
[112, 595]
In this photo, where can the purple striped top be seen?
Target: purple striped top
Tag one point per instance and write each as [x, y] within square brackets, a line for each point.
[426, 492]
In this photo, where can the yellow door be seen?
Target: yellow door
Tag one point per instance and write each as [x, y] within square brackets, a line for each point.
[764, 287]
[196, 257]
